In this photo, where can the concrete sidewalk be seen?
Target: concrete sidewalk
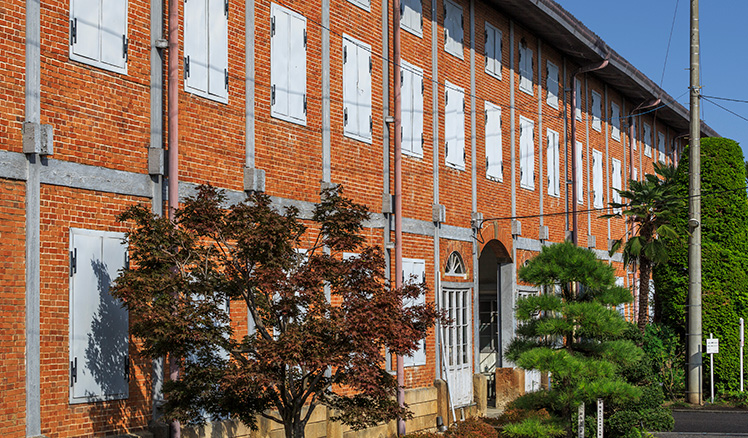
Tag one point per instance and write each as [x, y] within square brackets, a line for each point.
[707, 423]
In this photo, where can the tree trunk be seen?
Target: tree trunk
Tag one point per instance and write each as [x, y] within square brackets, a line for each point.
[645, 270]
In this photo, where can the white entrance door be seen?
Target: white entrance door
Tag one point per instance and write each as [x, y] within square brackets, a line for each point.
[458, 345]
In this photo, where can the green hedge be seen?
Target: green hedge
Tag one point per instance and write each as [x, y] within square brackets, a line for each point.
[724, 219]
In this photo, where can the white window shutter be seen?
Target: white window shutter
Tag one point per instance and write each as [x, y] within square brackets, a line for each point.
[552, 153]
[98, 322]
[597, 179]
[578, 88]
[493, 142]
[114, 33]
[527, 153]
[364, 92]
[218, 47]
[580, 173]
[453, 29]
[596, 112]
[661, 147]
[525, 69]
[616, 183]
[418, 113]
[196, 45]
[86, 38]
[297, 68]
[279, 60]
[454, 126]
[615, 121]
[552, 85]
[410, 19]
[647, 140]
[406, 108]
[349, 86]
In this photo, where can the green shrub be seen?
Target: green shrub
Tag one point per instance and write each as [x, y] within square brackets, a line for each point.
[724, 226]
[664, 349]
[533, 428]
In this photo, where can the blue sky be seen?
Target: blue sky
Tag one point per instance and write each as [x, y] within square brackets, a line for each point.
[639, 31]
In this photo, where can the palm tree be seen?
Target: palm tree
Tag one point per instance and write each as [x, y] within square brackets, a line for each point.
[650, 205]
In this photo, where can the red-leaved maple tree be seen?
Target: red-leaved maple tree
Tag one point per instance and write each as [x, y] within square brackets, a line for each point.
[319, 320]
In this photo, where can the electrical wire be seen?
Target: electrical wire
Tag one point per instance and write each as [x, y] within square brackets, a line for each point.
[667, 51]
[728, 110]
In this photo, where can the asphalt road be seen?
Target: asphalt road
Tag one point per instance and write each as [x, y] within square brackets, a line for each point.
[711, 422]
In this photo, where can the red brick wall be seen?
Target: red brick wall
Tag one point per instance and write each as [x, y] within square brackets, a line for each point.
[12, 61]
[61, 209]
[12, 306]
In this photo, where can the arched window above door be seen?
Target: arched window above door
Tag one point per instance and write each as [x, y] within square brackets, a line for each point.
[455, 266]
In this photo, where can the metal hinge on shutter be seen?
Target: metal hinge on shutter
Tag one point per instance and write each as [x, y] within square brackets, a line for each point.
[422, 141]
[401, 134]
[125, 46]
[345, 54]
[272, 26]
[226, 7]
[73, 371]
[486, 114]
[446, 148]
[421, 86]
[74, 31]
[187, 66]
[369, 64]
[402, 9]
[345, 116]
[305, 103]
[305, 38]
[73, 261]
[272, 95]
[402, 78]
[446, 98]
[371, 125]
[127, 369]
[501, 163]
[226, 75]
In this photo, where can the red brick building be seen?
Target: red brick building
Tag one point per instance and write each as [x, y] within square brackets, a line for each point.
[287, 97]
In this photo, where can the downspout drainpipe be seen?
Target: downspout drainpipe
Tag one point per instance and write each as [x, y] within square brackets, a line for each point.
[589, 68]
[398, 194]
[173, 156]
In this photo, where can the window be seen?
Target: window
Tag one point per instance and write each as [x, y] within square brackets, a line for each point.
[288, 65]
[494, 153]
[525, 67]
[453, 30]
[598, 198]
[98, 33]
[578, 109]
[363, 4]
[633, 140]
[527, 153]
[357, 121]
[636, 174]
[552, 85]
[455, 267]
[616, 183]
[580, 174]
[454, 126]
[493, 51]
[206, 48]
[98, 323]
[414, 271]
[647, 140]
[661, 147]
[412, 109]
[596, 111]
[621, 308]
[615, 122]
[411, 16]
[552, 153]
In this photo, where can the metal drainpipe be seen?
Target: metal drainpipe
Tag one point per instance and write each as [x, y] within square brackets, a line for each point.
[398, 195]
[173, 138]
[589, 68]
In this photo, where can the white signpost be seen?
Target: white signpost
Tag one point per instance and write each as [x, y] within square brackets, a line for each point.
[580, 421]
[742, 341]
[600, 423]
[712, 348]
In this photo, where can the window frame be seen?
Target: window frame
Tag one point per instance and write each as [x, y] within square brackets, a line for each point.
[215, 53]
[416, 13]
[597, 108]
[75, 31]
[452, 45]
[412, 108]
[615, 121]
[491, 109]
[415, 266]
[552, 98]
[292, 70]
[527, 159]
[493, 64]
[526, 56]
[553, 162]
[458, 119]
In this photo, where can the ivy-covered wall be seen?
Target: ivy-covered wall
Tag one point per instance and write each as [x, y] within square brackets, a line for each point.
[724, 222]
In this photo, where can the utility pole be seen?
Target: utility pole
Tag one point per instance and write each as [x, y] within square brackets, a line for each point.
[693, 390]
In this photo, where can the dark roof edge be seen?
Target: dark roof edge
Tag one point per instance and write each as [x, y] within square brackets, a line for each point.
[600, 48]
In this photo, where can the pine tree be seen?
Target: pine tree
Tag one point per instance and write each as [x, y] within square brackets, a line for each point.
[571, 331]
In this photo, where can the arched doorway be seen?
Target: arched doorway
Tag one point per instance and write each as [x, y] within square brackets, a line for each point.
[495, 273]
